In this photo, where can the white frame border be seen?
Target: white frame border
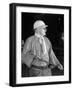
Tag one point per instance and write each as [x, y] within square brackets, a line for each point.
[19, 79]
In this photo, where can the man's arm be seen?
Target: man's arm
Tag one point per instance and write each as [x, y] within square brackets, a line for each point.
[27, 56]
[27, 46]
[53, 59]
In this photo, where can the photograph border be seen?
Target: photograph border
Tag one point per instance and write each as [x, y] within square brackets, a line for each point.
[12, 41]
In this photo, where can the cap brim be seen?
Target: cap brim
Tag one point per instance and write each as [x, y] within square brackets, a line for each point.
[44, 26]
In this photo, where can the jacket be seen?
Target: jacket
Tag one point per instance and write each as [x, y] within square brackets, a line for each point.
[32, 54]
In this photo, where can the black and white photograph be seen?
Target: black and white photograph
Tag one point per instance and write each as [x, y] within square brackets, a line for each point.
[41, 39]
[42, 45]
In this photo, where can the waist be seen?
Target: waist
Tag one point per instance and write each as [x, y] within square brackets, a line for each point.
[39, 62]
[40, 67]
[43, 57]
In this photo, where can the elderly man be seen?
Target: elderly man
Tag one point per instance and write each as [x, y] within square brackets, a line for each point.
[38, 54]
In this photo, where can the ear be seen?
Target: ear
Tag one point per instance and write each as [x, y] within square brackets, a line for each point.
[37, 30]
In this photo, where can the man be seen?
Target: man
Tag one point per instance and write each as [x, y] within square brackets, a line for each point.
[38, 54]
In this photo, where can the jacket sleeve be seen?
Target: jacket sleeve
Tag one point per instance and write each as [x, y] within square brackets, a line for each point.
[53, 59]
[27, 46]
[27, 56]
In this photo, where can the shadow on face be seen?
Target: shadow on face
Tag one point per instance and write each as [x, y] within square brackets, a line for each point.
[41, 31]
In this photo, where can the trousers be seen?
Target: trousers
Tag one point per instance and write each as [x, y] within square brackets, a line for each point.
[36, 71]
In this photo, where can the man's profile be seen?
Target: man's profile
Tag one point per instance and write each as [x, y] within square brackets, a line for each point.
[38, 54]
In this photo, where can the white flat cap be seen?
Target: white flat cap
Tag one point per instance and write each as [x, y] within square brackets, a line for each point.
[39, 24]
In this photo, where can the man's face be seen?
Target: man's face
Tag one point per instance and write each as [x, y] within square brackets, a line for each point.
[42, 31]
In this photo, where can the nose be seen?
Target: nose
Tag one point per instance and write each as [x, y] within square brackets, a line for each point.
[45, 29]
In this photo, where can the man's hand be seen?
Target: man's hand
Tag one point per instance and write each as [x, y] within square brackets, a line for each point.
[60, 67]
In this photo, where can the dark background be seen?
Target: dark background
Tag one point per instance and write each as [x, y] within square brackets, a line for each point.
[55, 29]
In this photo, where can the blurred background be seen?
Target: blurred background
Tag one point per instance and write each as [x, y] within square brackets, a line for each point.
[55, 33]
